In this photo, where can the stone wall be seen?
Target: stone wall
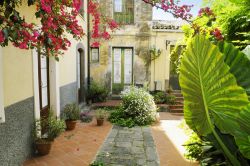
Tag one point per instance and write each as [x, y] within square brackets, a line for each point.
[16, 133]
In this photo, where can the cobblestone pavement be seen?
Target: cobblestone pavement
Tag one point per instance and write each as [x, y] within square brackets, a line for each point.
[129, 147]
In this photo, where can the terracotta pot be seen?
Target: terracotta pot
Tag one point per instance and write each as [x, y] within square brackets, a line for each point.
[70, 124]
[100, 122]
[43, 148]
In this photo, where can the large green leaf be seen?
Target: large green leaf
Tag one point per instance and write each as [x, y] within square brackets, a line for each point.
[247, 51]
[211, 94]
[239, 64]
[242, 135]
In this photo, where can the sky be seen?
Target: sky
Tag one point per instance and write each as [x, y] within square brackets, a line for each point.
[159, 14]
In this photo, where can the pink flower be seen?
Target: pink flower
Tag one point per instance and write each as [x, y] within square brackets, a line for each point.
[95, 44]
[2, 38]
[106, 35]
[113, 24]
[77, 4]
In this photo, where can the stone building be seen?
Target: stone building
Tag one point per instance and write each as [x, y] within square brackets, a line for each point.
[131, 56]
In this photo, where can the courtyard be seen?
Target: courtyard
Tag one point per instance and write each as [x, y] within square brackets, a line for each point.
[89, 142]
[124, 82]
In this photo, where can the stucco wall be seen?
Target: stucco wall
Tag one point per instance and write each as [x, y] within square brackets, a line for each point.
[160, 68]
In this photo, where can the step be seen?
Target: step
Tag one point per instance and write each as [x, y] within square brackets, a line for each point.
[176, 91]
[177, 94]
[115, 97]
[178, 114]
[176, 110]
[179, 102]
[180, 106]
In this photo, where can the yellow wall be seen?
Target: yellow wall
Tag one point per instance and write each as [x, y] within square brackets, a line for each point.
[160, 68]
[17, 67]
[68, 62]
[17, 75]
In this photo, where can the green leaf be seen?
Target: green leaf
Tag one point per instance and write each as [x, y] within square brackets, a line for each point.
[212, 97]
[239, 64]
[247, 51]
[242, 135]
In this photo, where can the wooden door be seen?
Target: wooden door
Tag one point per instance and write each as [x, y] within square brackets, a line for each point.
[43, 73]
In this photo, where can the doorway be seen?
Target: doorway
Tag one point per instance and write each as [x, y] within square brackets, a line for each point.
[80, 76]
[44, 91]
[122, 69]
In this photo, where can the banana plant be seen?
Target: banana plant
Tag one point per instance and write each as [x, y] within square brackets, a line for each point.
[213, 100]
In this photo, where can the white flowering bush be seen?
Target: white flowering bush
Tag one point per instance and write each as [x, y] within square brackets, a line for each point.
[138, 105]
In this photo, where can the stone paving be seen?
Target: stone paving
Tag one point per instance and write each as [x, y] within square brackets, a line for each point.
[129, 147]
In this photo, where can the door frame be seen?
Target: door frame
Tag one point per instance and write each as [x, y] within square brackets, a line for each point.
[40, 81]
[53, 83]
[84, 69]
[122, 64]
[81, 91]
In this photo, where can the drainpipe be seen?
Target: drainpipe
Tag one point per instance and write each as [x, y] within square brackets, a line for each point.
[88, 33]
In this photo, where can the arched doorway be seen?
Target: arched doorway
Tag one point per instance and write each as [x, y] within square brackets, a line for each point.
[80, 75]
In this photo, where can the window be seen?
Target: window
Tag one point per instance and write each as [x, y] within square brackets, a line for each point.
[2, 117]
[124, 11]
[95, 54]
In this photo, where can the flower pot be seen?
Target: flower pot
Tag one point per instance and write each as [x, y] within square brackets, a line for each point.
[70, 124]
[100, 122]
[43, 147]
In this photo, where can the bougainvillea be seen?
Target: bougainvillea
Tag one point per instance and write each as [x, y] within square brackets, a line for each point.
[173, 7]
[183, 12]
[57, 17]
[100, 24]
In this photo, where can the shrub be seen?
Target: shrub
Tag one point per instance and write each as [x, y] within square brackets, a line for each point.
[119, 117]
[97, 92]
[193, 147]
[160, 97]
[71, 112]
[138, 108]
[171, 99]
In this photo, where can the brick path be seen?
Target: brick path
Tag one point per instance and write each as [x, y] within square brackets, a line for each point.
[129, 147]
[73, 148]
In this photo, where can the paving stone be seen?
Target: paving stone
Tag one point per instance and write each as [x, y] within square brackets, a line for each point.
[141, 162]
[129, 147]
[124, 144]
[138, 150]
[151, 153]
[138, 143]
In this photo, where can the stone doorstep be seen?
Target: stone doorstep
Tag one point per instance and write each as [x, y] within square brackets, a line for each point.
[122, 148]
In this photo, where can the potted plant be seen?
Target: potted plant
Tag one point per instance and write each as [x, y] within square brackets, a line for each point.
[100, 115]
[71, 114]
[52, 127]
